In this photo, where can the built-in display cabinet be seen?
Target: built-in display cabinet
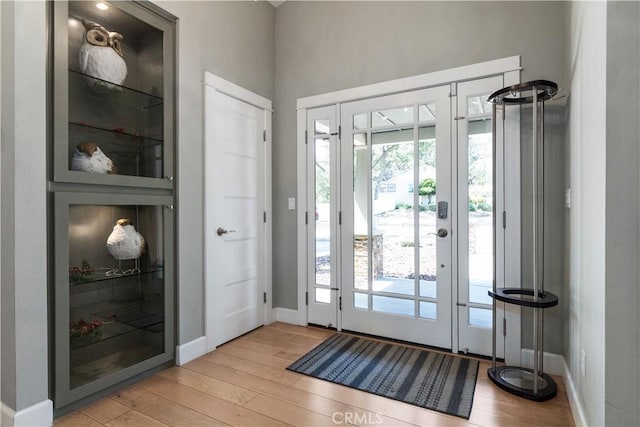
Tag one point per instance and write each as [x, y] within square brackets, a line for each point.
[112, 195]
[114, 88]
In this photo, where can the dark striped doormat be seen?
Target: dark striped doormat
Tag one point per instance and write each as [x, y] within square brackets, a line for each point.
[431, 380]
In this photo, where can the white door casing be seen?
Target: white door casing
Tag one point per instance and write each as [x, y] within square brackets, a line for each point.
[237, 205]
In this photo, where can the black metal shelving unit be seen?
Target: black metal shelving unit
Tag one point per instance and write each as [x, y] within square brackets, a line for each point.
[531, 384]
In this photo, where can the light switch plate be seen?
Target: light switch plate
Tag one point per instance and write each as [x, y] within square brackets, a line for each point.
[292, 203]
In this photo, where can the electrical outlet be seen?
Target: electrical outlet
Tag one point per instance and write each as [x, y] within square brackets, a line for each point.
[583, 364]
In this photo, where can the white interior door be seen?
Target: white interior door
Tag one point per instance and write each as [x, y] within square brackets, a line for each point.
[396, 205]
[475, 220]
[235, 219]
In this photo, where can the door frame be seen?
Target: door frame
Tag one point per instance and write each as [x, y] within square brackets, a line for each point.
[510, 68]
[214, 84]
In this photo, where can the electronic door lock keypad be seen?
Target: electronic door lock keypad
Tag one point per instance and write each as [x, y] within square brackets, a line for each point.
[443, 208]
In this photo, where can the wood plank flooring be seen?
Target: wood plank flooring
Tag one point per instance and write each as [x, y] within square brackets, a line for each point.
[245, 383]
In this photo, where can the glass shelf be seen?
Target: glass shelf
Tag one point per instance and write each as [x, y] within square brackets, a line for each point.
[119, 344]
[133, 154]
[102, 91]
[115, 135]
[147, 314]
[106, 274]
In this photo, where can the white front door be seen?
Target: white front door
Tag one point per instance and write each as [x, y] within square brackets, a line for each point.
[235, 218]
[400, 216]
[396, 206]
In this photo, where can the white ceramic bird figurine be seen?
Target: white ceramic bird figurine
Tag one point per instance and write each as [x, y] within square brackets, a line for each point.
[100, 56]
[90, 158]
[125, 242]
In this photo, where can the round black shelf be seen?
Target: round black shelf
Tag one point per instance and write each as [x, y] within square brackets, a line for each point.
[524, 297]
[519, 381]
[518, 94]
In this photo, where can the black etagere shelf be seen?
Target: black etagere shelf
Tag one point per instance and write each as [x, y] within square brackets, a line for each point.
[532, 384]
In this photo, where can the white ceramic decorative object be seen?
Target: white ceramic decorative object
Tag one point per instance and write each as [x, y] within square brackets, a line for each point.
[125, 242]
[90, 158]
[100, 56]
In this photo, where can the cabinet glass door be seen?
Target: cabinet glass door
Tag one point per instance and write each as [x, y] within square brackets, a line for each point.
[113, 295]
[114, 95]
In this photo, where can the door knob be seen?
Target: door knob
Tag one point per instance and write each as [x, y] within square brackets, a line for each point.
[220, 231]
[442, 232]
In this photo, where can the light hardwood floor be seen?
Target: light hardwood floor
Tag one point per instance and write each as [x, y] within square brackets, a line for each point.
[245, 383]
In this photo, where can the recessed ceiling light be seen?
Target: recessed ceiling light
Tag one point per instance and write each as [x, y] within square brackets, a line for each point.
[102, 6]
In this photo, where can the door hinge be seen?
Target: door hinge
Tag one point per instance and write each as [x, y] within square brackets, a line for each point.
[306, 298]
[340, 303]
[504, 219]
[264, 135]
[265, 297]
[264, 216]
[504, 326]
[306, 136]
[339, 217]
[306, 218]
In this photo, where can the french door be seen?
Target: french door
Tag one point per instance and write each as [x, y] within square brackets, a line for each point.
[400, 226]
[473, 140]
[396, 249]
[322, 164]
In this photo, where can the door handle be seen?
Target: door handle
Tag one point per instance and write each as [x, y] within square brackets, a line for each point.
[442, 232]
[220, 231]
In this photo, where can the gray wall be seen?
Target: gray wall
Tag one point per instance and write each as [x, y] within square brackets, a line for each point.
[235, 41]
[587, 66]
[327, 46]
[622, 289]
[23, 346]
[603, 250]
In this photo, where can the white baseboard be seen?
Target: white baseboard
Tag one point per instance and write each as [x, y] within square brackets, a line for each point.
[38, 415]
[553, 363]
[6, 415]
[285, 315]
[574, 401]
[187, 352]
[557, 365]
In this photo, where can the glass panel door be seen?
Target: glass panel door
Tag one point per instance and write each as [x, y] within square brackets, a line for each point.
[396, 280]
[322, 157]
[114, 94]
[476, 207]
[113, 289]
